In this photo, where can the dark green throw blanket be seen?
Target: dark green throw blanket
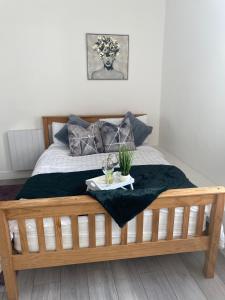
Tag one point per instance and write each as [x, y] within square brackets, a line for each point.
[122, 205]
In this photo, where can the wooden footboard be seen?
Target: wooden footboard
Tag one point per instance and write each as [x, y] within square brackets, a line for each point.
[85, 205]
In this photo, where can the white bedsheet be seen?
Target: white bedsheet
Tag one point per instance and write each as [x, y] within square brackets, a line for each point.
[57, 159]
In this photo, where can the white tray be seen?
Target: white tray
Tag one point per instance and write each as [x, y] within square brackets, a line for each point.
[99, 183]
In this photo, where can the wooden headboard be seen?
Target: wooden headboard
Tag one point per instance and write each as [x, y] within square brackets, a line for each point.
[48, 120]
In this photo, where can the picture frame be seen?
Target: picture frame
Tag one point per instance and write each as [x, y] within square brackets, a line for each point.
[107, 56]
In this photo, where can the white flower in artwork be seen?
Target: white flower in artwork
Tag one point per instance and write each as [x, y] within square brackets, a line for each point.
[107, 46]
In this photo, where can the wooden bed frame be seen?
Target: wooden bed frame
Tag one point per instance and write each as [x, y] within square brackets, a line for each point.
[85, 205]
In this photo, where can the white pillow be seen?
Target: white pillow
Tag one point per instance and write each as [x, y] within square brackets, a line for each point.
[117, 121]
[56, 127]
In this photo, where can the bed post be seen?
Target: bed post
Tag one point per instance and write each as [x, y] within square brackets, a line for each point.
[216, 218]
[6, 259]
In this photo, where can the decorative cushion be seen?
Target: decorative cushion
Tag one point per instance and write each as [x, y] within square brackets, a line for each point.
[62, 135]
[56, 127]
[85, 141]
[113, 136]
[140, 129]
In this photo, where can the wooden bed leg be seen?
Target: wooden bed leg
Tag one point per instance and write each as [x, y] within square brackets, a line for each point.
[10, 280]
[6, 259]
[216, 218]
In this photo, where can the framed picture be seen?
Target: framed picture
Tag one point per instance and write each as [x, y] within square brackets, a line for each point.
[107, 56]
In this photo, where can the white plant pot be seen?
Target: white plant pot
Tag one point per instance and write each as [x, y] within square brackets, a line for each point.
[124, 178]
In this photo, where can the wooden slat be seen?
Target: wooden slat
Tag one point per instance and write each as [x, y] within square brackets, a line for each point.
[58, 234]
[92, 232]
[75, 231]
[170, 223]
[41, 234]
[139, 228]
[155, 224]
[108, 230]
[86, 255]
[23, 236]
[185, 224]
[200, 220]
[124, 235]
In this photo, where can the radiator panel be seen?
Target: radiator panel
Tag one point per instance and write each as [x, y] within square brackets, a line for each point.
[25, 148]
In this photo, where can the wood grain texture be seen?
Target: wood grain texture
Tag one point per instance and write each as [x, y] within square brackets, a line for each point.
[157, 286]
[74, 283]
[200, 220]
[155, 224]
[50, 291]
[58, 234]
[25, 281]
[214, 231]
[85, 255]
[75, 231]
[133, 279]
[6, 259]
[23, 236]
[186, 216]
[213, 289]
[139, 227]
[168, 199]
[127, 280]
[124, 235]
[41, 234]
[183, 284]
[92, 231]
[97, 280]
[108, 230]
[85, 205]
[170, 223]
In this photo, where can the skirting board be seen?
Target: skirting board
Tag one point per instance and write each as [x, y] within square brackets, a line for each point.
[14, 175]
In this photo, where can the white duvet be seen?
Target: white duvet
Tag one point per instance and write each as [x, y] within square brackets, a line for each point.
[57, 159]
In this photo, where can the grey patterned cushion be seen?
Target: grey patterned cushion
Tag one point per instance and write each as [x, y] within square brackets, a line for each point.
[85, 141]
[62, 135]
[113, 136]
[140, 129]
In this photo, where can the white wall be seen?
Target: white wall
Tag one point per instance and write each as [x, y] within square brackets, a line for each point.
[193, 87]
[43, 62]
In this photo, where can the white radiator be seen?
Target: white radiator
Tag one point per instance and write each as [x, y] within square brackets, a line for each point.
[25, 148]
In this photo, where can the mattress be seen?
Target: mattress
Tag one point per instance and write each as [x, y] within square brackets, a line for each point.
[100, 230]
[57, 159]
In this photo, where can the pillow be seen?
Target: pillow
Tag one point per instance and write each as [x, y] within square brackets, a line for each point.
[85, 141]
[117, 121]
[113, 136]
[62, 135]
[56, 127]
[140, 129]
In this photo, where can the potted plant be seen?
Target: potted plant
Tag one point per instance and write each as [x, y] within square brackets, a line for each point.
[125, 161]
